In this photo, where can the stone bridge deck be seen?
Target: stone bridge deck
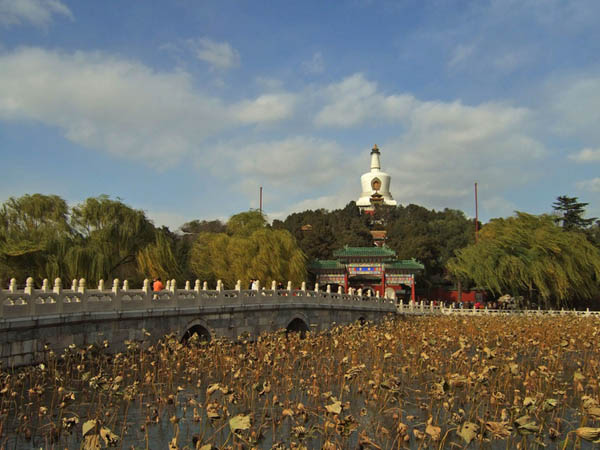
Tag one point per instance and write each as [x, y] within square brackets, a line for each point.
[34, 319]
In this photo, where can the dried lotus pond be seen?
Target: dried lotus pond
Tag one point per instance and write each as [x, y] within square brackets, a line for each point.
[434, 382]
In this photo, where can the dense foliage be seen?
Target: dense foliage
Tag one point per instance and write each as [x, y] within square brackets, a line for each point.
[550, 259]
[249, 249]
[413, 231]
[533, 256]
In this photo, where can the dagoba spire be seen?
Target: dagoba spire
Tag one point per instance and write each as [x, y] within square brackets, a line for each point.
[375, 185]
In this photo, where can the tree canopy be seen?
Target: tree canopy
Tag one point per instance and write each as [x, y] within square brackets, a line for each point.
[249, 250]
[530, 255]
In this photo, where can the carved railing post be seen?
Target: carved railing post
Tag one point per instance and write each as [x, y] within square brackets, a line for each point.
[328, 289]
[74, 285]
[187, 285]
[101, 284]
[125, 285]
[12, 286]
[45, 285]
[205, 286]
[29, 286]
[147, 293]
[115, 287]
[81, 288]
[316, 287]
[219, 286]
[303, 286]
[289, 286]
[340, 290]
[173, 287]
[57, 286]
[273, 285]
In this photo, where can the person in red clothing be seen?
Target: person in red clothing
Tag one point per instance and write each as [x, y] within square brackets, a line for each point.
[157, 285]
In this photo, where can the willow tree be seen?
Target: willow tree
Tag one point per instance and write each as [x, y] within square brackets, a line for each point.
[35, 236]
[530, 255]
[158, 259]
[249, 249]
[110, 236]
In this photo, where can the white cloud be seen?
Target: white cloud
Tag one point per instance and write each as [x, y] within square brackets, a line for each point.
[441, 148]
[265, 108]
[218, 54]
[575, 102]
[122, 107]
[290, 165]
[355, 100]
[592, 185]
[315, 65]
[586, 155]
[36, 12]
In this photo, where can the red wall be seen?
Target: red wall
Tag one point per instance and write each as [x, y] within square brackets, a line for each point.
[452, 295]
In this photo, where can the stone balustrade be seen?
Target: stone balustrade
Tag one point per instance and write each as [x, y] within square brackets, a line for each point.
[46, 301]
[419, 308]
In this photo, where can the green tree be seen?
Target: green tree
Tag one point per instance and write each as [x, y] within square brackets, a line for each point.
[34, 237]
[249, 249]
[109, 236]
[530, 255]
[571, 213]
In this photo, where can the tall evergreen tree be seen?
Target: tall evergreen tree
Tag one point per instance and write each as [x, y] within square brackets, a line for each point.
[571, 213]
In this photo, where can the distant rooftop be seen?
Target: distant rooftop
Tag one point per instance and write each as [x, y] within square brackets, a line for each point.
[364, 251]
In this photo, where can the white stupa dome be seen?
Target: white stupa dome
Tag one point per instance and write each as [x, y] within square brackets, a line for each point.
[375, 185]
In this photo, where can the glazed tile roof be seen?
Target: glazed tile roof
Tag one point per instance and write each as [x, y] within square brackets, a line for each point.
[405, 264]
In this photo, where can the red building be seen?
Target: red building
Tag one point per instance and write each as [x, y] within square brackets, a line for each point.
[375, 268]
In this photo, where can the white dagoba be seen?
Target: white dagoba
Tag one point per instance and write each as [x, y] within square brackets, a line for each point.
[375, 185]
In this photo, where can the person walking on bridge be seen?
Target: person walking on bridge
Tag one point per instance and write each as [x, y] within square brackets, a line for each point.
[157, 286]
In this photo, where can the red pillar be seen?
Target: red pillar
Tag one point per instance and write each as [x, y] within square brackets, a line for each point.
[412, 288]
[383, 283]
[345, 282]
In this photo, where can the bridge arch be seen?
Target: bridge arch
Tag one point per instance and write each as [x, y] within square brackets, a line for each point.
[297, 325]
[198, 327]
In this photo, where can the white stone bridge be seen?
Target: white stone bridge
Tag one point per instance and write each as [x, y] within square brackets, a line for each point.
[34, 320]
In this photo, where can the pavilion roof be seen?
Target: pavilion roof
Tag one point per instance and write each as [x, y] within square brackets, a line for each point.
[364, 251]
[405, 264]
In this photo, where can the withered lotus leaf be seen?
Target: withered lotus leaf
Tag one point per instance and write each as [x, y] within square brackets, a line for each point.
[239, 422]
[468, 431]
[334, 408]
[526, 425]
[500, 430]
[589, 434]
[88, 426]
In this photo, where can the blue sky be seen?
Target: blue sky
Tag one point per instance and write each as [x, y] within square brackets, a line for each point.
[184, 108]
